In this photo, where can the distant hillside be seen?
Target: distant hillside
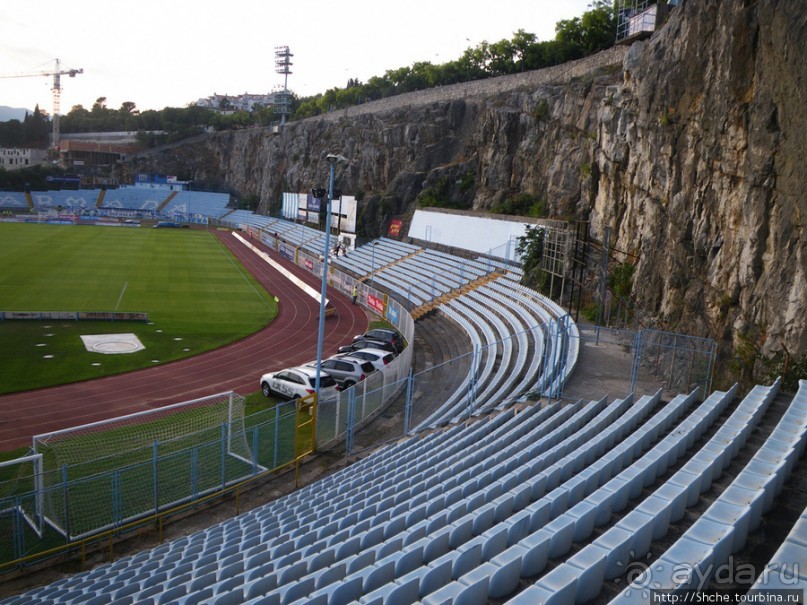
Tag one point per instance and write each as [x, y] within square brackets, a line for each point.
[13, 113]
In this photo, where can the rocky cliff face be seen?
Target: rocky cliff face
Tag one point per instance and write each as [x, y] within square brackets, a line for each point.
[700, 151]
[688, 146]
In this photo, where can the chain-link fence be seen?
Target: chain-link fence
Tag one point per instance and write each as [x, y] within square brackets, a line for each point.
[678, 362]
[620, 361]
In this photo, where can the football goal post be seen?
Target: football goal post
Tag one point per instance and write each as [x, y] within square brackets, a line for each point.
[21, 496]
[100, 475]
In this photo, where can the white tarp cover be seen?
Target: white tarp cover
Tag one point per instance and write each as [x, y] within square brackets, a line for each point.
[479, 234]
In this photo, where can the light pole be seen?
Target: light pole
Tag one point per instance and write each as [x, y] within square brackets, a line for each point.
[333, 159]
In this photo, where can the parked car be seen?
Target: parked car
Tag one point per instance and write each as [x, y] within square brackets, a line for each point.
[297, 382]
[360, 343]
[392, 337]
[378, 357]
[347, 371]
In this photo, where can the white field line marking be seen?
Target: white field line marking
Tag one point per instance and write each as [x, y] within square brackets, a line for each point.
[122, 292]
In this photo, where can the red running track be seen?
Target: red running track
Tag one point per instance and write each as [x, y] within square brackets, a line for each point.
[291, 339]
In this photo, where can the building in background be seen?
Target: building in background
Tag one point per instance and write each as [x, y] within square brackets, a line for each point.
[16, 158]
[637, 19]
[232, 103]
[160, 181]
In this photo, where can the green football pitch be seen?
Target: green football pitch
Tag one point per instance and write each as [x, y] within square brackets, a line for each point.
[197, 295]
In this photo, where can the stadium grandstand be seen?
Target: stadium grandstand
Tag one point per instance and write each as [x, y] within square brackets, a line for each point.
[537, 504]
[154, 204]
[493, 497]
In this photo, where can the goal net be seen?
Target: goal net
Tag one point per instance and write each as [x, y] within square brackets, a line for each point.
[101, 475]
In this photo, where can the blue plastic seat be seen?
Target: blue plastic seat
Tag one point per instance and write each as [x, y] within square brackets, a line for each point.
[738, 517]
[616, 542]
[640, 525]
[459, 593]
[536, 554]
[506, 571]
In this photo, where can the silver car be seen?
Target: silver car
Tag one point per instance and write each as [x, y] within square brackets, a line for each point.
[380, 359]
[346, 370]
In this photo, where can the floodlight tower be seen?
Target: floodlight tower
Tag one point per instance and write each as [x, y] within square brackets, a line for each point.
[283, 66]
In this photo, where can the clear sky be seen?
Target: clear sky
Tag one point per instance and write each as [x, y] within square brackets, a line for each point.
[170, 53]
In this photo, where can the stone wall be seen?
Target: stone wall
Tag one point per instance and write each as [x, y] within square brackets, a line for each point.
[558, 74]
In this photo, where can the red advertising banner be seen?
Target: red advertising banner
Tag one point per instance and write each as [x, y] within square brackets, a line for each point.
[394, 228]
[375, 303]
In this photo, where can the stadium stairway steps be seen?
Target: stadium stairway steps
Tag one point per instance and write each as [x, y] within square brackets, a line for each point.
[382, 268]
[101, 196]
[30, 200]
[167, 201]
[428, 307]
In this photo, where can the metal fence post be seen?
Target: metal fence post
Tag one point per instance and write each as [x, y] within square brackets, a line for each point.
[223, 455]
[553, 370]
[637, 352]
[195, 472]
[410, 383]
[116, 497]
[351, 412]
[276, 443]
[155, 451]
[363, 413]
[472, 383]
[66, 496]
[603, 276]
[564, 348]
[255, 451]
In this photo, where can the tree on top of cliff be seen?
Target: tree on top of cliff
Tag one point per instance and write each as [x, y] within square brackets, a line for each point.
[594, 31]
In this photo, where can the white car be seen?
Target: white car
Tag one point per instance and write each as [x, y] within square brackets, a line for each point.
[377, 357]
[297, 382]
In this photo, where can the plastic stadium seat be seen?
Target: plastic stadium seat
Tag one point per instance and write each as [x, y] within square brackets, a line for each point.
[536, 554]
[640, 525]
[505, 572]
[260, 586]
[402, 592]
[459, 593]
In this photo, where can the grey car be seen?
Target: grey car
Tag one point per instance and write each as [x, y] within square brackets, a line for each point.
[346, 370]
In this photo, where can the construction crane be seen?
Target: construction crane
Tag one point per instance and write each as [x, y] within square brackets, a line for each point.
[57, 74]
